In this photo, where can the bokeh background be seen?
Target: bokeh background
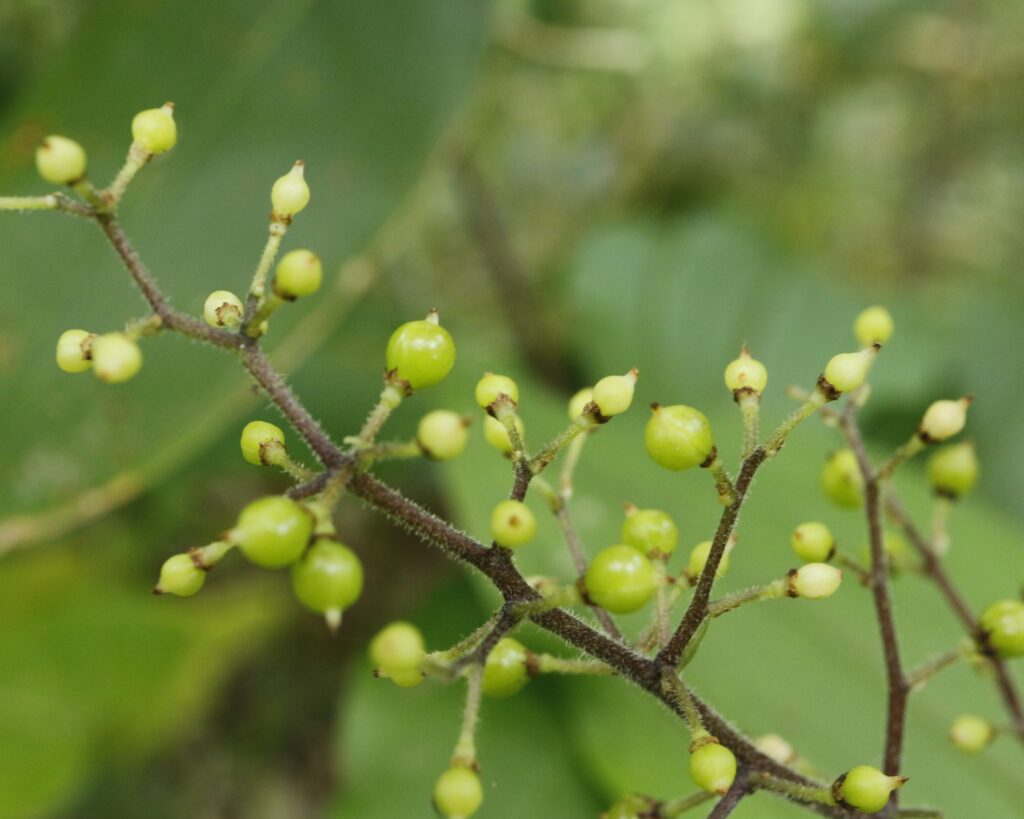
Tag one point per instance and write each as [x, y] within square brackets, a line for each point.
[580, 186]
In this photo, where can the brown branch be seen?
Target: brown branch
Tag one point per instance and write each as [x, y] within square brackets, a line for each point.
[739, 789]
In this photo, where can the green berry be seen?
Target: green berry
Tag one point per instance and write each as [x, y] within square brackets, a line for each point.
[406, 679]
[298, 274]
[848, 371]
[458, 793]
[867, 788]
[442, 434]
[631, 806]
[953, 469]
[713, 767]
[179, 575]
[815, 581]
[492, 385]
[421, 353]
[155, 129]
[613, 394]
[496, 434]
[258, 439]
[74, 351]
[505, 671]
[971, 734]
[873, 326]
[841, 479]
[620, 579]
[223, 309]
[898, 553]
[60, 160]
[115, 357]
[678, 437]
[273, 531]
[328, 578]
[512, 524]
[579, 402]
[290, 193]
[398, 648]
[813, 542]
[699, 559]
[1003, 625]
[746, 373]
[944, 419]
[650, 530]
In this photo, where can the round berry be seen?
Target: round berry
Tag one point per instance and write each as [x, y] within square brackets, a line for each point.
[848, 371]
[873, 326]
[678, 437]
[298, 274]
[867, 788]
[492, 385]
[496, 434]
[406, 679]
[746, 373]
[505, 670]
[971, 734]
[898, 553]
[442, 434]
[458, 793]
[74, 351]
[813, 542]
[953, 469]
[60, 160]
[775, 747]
[329, 577]
[620, 579]
[398, 648]
[290, 193]
[1003, 625]
[841, 479]
[420, 353]
[512, 524]
[651, 531]
[815, 581]
[713, 767]
[258, 438]
[274, 531]
[115, 357]
[944, 419]
[613, 394]
[578, 403]
[155, 129]
[179, 575]
[699, 559]
[223, 309]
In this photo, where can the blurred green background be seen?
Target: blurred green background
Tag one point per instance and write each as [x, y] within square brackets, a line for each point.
[580, 186]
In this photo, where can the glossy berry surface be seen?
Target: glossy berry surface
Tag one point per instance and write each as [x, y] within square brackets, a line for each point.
[328, 577]
[458, 793]
[815, 581]
[868, 789]
[442, 434]
[813, 542]
[73, 351]
[299, 273]
[953, 470]
[60, 160]
[620, 579]
[273, 532]
[505, 670]
[713, 768]
[1003, 625]
[944, 419]
[873, 326]
[223, 308]
[848, 371]
[678, 437]
[421, 353]
[613, 394]
[746, 373]
[496, 434]
[115, 358]
[491, 386]
[650, 531]
[290, 193]
[842, 481]
[512, 524]
[699, 558]
[398, 647]
[258, 437]
[155, 129]
[179, 575]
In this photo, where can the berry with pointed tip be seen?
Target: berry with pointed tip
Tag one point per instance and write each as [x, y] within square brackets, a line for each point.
[746, 373]
[842, 480]
[873, 326]
[290, 193]
[944, 419]
[579, 402]
[115, 358]
[442, 434]
[512, 524]
[421, 353]
[273, 532]
[496, 434]
[971, 734]
[492, 385]
[814, 581]
[613, 394]
[713, 767]
[1003, 625]
[299, 273]
[650, 530]
[848, 371]
[60, 160]
[258, 437]
[813, 542]
[328, 578]
[398, 648]
[699, 559]
[458, 793]
[678, 437]
[620, 579]
[953, 469]
[505, 671]
[775, 747]
[155, 130]
[866, 788]
[179, 575]
[74, 351]
[223, 309]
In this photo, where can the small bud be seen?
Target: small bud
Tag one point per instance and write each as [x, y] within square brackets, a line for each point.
[74, 351]
[179, 575]
[971, 734]
[512, 524]
[746, 373]
[258, 439]
[497, 435]
[1003, 626]
[155, 129]
[290, 193]
[492, 385]
[115, 357]
[222, 309]
[776, 748]
[699, 559]
[866, 788]
[713, 767]
[842, 480]
[944, 419]
[60, 160]
[650, 530]
[613, 394]
[505, 671]
[953, 470]
[678, 437]
[848, 371]
[397, 648]
[298, 274]
[579, 402]
[814, 581]
[813, 542]
[442, 434]
[873, 326]
[458, 793]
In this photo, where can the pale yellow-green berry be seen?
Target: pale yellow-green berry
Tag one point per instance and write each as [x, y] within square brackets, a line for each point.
[512, 524]
[179, 575]
[867, 788]
[944, 419]
[505, 671]
[898, 553]
[746, 373]
[223, 309]
[953, 469]
[776, 748]
[848, 371]
[115, 357]
[579, 402]
[406, 679]
[613, 394]
[842, 480]
[971, 734]
[299, 273]
[815, 581]
[699, 559]
[155, 129]
[492, 385]
[258, 439]
[73, 351]
[813, 542]
[873, 326]
[458, 793]
[713, 767]
[497, 435]
[290, 193]
[442, 434]
[60, 160]
[397, 648]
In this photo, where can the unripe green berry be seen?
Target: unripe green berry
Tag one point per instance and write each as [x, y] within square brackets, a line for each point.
[815, 581]
[1003, 625]
[496, 434]
[273, 532]
[775, 747]
[579, 402]
[713, 767]
[74, 351]
[848, 371]
[971, 734]
[505, 670]
[397, 648]
[631, 806]
[953, 469]
[115, 357]
[898, 553]
[650, 530]
[746, 373]
[620, 579]
[60, 160]
[442, 434]
[512, 524]
[458, 793]
[290, 193]
[258, 437]
[813, 542]
[613, 394]
[298, 274]
[406, 679]
[842, 480]
[678, 437]
[867, 788]
[223, 309]
[179, 575]
[944, 419]
[329, 577]
[421, 353]
[873, 326]
[155, 129]
[699, 559]
[492, 385]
